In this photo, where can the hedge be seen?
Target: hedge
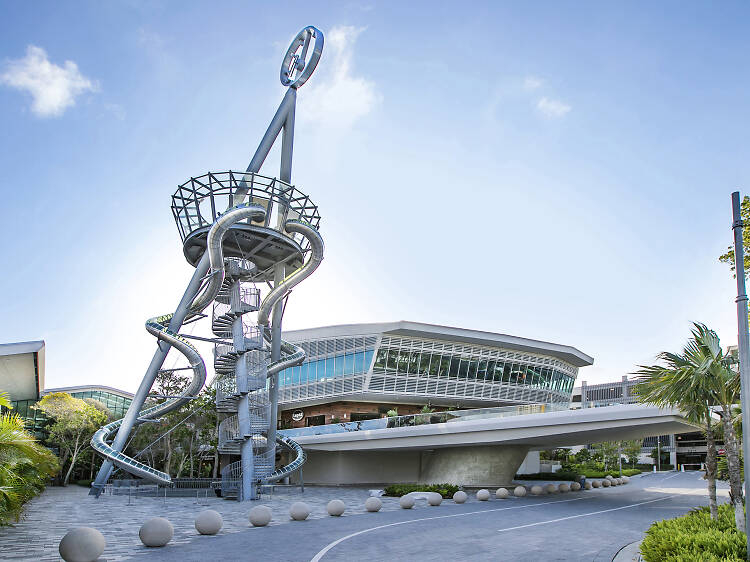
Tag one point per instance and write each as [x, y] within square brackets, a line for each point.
[695, 537]
[398, 490]
[560, 475]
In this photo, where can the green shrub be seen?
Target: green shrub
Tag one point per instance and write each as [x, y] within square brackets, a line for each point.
[398, 490]
[588, 473]
[695, 537]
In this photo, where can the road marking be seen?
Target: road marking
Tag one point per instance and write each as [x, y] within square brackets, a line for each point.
[328, 547]
[673, 475]
[582, 515]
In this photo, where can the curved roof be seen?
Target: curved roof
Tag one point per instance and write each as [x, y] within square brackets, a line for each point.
[448, 333]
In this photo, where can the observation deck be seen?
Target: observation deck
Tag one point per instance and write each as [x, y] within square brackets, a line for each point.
[198, 202]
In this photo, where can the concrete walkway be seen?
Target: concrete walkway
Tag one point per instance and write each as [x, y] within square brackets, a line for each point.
[589, 525]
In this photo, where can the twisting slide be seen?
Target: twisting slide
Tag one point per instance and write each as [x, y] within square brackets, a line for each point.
[269, 228]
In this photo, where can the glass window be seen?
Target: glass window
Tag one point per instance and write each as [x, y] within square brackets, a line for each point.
[445, 366]
[391, 361]
[359, 362]
[473, 364]
[424, 363]
[403, 361]
[368, 360]
[463, 368]
[330, 368]
[380, 358]
[482, 369]
[414, 363]
[453, 371]
[495, 371]
[348, 364]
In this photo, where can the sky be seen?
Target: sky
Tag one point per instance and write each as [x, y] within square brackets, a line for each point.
[556, 171]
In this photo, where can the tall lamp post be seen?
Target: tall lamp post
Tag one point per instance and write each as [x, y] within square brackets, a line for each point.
[742, 338]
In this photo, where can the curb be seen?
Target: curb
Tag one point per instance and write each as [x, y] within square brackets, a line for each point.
[629, 553]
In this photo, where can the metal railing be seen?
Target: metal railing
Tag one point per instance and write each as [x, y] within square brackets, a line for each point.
[200, 201]
[427, 419]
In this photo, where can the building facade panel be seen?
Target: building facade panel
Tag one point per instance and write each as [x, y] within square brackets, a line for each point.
[355, 363]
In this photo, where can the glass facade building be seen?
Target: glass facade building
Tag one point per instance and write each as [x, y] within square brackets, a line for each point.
[408, 362]
[117, 402]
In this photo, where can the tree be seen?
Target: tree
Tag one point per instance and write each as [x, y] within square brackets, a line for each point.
[74, 422]
[694, 381]
[25, 465]
[180, 441]
[609, 452]
[631, 450]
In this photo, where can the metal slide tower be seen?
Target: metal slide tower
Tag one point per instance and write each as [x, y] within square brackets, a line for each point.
[238, 229]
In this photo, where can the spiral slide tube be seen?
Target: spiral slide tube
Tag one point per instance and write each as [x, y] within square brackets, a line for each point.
[292, 354]
[157, 327]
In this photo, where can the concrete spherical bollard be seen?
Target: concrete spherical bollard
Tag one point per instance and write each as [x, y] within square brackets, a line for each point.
[483, 495]
[208, 522]
[596, 483]
[625, 479]
[587, 485]
[336, 508]
[519, 491]
[156, 532]
[551, 489]
[373, 504]
[82, 544]
[502, 493]
[537, 490]
[260, 516]
[406, 502]
[609, 477]
[299, 511]
[606, 483]
[435, 499]
[563, 488]
[460, 496]
[575, 486]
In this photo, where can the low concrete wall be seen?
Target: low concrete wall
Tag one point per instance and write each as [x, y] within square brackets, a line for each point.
[360, 467]
[469, 466]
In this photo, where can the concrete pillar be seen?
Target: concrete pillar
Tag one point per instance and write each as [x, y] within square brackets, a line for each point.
[473, 466]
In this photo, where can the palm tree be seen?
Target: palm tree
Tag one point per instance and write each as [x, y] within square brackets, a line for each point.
[24, 465]
[694, 381]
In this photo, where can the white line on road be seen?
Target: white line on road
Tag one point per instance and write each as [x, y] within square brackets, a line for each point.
[582, 515]
[323, 552]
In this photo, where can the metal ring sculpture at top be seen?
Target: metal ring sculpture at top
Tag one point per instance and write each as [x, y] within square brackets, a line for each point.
[294, 60]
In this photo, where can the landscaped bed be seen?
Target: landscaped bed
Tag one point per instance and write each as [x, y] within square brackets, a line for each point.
[572, 476]
[695, 537]
[398, 490]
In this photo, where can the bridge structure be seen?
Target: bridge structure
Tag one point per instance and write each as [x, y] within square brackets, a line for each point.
[240, 230]
[482, 447]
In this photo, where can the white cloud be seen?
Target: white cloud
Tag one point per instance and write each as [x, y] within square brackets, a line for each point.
[532, 83]
[334, 97]
[53, 88]
[552, 108]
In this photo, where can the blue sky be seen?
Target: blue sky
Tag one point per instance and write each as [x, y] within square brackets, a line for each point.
[559, 171]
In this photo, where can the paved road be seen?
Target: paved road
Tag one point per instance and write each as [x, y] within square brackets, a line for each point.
[583, 526]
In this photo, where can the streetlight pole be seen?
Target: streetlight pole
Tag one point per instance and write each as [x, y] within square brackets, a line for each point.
[743, 341]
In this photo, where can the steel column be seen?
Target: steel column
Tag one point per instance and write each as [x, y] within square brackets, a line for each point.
[153, 369]
[742, 341]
